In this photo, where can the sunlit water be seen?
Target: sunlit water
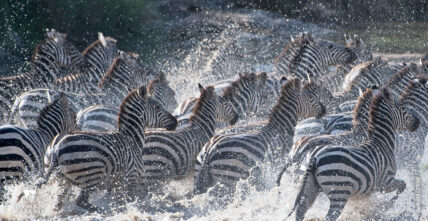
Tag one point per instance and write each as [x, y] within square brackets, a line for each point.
[217, 57]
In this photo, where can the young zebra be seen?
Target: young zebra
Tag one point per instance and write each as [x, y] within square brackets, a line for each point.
[22, 150]
[343, 172]
[49, 56]
[228, 158]
[95, 161]
[171, 155]
[306, 56]
[103, 118]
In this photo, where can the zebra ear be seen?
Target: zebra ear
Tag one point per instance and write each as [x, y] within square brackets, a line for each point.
[348, 40]
[386, 94]
[102, 39]
[262, 78]
[201, 88]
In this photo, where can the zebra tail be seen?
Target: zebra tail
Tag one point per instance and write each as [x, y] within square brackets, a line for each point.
[203, 180]
[12, 115]
[307, 183]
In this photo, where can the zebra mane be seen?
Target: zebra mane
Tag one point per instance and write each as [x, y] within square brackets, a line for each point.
[420, 79]
[111, 71]
[363, 102]
[294, 50]
[140, 92]
[397, 77]
[97, 43]
[161, 80]
[231, 91]
[294, 83]
[50, 111]
[206, 94]
[374, 107]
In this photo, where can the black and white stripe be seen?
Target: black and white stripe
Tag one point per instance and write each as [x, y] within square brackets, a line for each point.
[308, 56]
[103, 118]
[49, 56]
[22, 150]
[171, 155]
[251, 94]
[226, 159]
[343, 172]
[95, 161]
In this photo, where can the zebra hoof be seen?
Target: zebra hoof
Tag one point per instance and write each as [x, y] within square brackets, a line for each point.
[89, 207]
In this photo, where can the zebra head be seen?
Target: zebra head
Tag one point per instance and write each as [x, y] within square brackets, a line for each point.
[310, 101]
[224, 112]
[139, 110]
[335, 54]
[245, 94]
[160, 91]
[359, 48]
[415, 98]
[385, 109]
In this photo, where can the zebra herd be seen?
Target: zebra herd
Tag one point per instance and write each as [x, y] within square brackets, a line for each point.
[328, 115]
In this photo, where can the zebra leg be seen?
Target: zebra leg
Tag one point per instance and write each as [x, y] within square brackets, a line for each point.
[336, 208]
[82, 201]
[307, 196]
[63, 195]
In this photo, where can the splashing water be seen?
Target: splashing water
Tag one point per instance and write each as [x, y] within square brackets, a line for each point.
[218, 56]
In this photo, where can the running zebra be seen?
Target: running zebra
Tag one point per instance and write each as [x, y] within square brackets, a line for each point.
[22, 150]
[171, 155]
[303, 148]
[96, 161]
[250, 94]
[308, 56]
[49, 56]
[116, 83]
[334, 79]
[99, 56]
[103, 118]
[343, 172]
[226, 159]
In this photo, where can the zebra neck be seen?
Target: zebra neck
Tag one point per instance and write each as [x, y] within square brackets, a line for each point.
[132, 125]
[204, 123]
[383, 134]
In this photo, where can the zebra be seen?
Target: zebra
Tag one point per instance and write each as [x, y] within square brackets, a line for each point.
[308, 56]
[117, 81]
[366, 75]
[171, 155]
[306, 146]
[343, 172]
[99, 56]
[249, 94]
[104, 118]
[226, 159]
[334, 79]
[96, 161]
[49, 56]
[22, 150]
[271, 90]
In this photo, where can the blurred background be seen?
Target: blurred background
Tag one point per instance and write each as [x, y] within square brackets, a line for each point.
[149, 27]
